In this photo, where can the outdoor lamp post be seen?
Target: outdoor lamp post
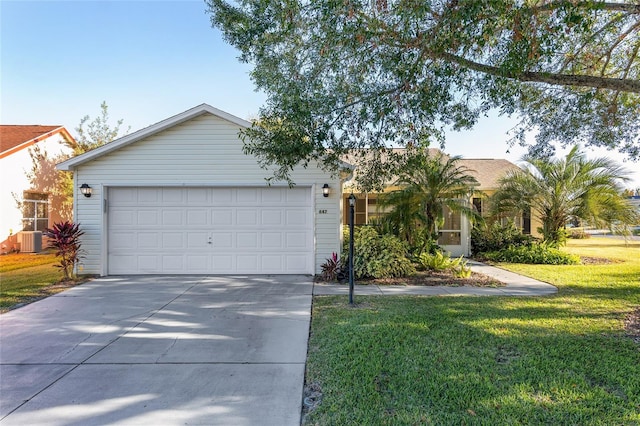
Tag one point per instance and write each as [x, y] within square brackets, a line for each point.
[352, 204]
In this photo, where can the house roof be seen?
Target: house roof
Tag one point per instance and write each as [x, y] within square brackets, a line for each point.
[150, 131]
[488, 171]
[14, 138]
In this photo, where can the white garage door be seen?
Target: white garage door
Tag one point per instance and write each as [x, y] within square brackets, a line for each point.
[210, 231]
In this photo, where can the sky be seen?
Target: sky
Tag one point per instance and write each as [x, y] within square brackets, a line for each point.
[149, 60]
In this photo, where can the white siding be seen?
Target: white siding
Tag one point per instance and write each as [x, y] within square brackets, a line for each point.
[204, 151]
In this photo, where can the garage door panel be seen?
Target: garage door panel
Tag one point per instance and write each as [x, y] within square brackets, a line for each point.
[247, 196]
[122, 264]
[222, 240]
[271, 217]
[210, 230]
[173, 240]
[122, 241]
[222, 196]
[272, 263]
[146, 240]
[246, 217]
[124, 196]
[297, 262]
[123, 217]
[297, 240]
[297, 217]
[222, 263]
[198, 263]
[173, 218]
[174, 196]
[222, 217]
[147, 195]
[271, 240]
[197, 196]
[147, 218]
[147, 264]
[173, 263]
[247, 263]
[272, 197]
[246, 240]
[197, 240]
[197, 217]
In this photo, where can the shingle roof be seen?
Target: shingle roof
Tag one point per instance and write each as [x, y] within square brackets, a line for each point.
[12, 136]
[488, 171]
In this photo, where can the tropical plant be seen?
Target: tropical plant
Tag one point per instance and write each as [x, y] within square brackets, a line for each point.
[439, 261]
[377, 256]
[494, 235]
[429, 184]
[562, 190]
[331, 268]
[64, 237]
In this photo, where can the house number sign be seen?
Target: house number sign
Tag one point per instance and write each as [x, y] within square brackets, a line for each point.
[322, 211]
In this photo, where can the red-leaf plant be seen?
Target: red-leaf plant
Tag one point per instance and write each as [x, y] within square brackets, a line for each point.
[65, 238]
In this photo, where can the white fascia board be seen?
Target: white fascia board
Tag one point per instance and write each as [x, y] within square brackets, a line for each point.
[73, 162]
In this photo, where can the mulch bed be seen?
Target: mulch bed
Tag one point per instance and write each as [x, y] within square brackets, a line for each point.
[586, 260]
[435, 278]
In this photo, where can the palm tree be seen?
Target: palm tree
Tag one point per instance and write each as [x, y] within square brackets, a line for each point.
[428, 184]
[561, 190]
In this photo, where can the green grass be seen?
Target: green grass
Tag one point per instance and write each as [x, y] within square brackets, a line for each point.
[25, 277]
[563, 359]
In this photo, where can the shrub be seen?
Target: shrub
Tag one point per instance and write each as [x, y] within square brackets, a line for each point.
[495, 236]
[441, 262]
[331, 268]
[578, 234]
[534, 254]
[377, 256]
[65, 239]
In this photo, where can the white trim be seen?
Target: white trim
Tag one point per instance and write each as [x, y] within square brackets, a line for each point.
[104, 246]
[74, 162]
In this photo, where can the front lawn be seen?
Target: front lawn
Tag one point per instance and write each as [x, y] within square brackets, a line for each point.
[562, 359]
[26, 277]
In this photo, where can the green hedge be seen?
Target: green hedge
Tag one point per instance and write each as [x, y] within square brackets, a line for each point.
[534, 254]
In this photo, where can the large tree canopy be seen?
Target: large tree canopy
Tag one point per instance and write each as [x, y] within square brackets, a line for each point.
[349, 74]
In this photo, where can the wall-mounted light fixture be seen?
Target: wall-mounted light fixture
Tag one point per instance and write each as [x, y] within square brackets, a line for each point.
[86, 190]
[325, 190]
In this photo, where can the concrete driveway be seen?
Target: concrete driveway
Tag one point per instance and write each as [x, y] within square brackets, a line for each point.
[159, 350]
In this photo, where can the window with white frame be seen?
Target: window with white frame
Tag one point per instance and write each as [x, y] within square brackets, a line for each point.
[35, 211]
[451, 232]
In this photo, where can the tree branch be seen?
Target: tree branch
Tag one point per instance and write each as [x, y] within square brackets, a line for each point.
[608, 6]
[545, 77]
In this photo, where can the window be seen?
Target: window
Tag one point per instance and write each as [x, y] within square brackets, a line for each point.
[477, 205]
[35, 211]
[365, 211]
[451, 234]
[526, 221]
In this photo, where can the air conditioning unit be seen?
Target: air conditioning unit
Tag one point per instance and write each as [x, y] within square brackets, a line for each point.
[30, 241]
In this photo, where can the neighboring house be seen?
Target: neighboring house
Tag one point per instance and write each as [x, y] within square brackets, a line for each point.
[455, 234]
[37, 211]
[181, 197]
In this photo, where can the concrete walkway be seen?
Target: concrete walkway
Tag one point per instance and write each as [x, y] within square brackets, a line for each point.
[516, 285]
